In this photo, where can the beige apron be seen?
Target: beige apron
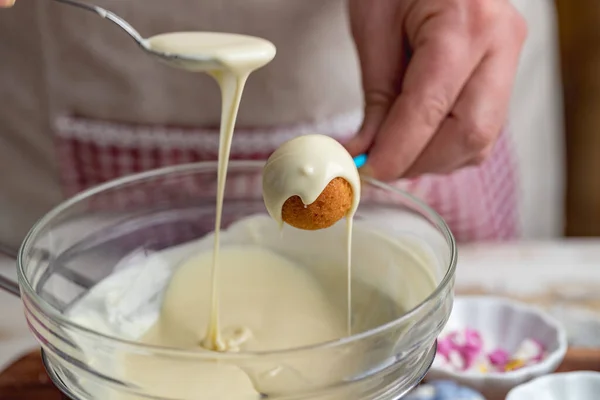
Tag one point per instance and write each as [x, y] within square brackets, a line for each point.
[57, 63]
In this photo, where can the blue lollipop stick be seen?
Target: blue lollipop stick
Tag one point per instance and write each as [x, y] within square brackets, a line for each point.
[360, 160]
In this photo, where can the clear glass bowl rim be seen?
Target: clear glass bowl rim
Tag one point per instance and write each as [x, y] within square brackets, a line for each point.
[206, 166]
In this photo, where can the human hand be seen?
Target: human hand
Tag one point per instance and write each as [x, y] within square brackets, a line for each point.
[437, 77]
[6, 3]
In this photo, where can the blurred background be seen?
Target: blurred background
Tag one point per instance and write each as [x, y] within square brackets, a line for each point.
[580, 61]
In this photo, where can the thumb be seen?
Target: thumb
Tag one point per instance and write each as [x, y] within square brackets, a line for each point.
[6, 3]
[378, 36]
[377, 106]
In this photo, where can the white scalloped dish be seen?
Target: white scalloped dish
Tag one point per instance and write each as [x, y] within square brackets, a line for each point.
[581, 385]
[503, 323]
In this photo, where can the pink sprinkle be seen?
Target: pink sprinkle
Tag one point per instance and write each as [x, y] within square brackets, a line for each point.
[499, 358]
[463, 350]
[444, 347]
[455, 338]
[473, 340]
[470, 357]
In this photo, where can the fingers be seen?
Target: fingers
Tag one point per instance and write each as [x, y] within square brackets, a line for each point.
[476, 120]
[6, 3]
[378, 39]
[437, 72]
[467, 136]
[377, 106]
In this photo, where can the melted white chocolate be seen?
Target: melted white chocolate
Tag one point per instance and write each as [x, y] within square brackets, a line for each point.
[267, 303]
[238, 56]
[303, 167]
[277, 293]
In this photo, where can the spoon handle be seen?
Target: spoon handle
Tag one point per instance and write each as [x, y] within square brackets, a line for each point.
[120, 22]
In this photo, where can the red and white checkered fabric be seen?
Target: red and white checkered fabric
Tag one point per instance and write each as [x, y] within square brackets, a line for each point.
[478, 203]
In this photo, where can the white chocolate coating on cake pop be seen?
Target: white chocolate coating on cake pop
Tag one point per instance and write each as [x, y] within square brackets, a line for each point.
[303, 167]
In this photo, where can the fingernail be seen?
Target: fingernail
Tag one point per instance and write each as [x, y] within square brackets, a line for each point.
[7, 3]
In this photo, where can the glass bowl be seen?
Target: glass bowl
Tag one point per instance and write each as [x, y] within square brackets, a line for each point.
[146, 218]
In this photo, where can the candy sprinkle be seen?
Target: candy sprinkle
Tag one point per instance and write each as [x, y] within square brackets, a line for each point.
[499, 358]
[465, 351]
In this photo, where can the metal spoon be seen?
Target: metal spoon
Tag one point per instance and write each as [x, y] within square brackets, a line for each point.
[177, 60]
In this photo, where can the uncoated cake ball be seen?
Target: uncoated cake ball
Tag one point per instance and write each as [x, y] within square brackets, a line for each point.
[331, 206]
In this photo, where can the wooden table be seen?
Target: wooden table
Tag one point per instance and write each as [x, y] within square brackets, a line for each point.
[26, 379]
